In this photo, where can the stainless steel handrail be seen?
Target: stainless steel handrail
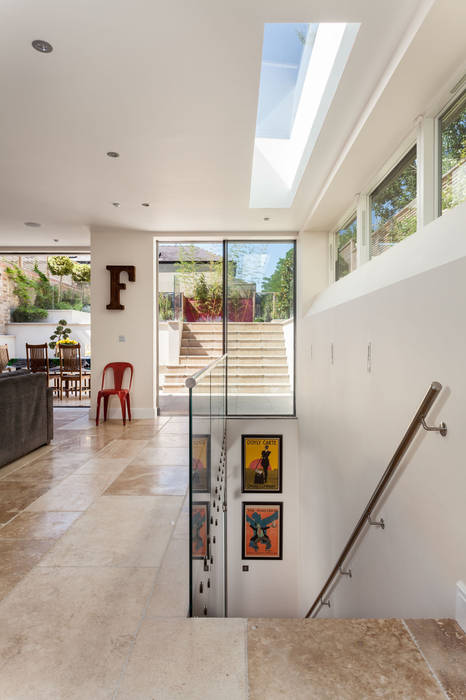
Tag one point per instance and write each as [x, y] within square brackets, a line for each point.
[191, 382]
[418, 421]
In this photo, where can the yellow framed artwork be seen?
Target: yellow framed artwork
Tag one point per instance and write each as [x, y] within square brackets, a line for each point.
[261, 463]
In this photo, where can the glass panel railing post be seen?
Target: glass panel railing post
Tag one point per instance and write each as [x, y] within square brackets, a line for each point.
[190, 608]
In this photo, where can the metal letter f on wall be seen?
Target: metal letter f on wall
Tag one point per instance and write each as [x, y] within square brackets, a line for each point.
[116, 285]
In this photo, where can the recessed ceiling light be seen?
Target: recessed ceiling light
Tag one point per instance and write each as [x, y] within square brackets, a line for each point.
[116, 204]
[113, 154]
[55, 240]
[145, 204]
[32, 224]
[266, 218]
[42, 46]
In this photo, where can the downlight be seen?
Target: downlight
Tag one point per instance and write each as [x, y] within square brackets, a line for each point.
[32, 224]
[42, 46]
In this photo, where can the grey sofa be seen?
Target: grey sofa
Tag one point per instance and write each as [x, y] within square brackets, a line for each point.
[26, 414]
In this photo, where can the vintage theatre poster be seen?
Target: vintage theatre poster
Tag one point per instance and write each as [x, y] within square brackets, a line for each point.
[261, 464]
[262, 530]
[200, 529]
[201, 463]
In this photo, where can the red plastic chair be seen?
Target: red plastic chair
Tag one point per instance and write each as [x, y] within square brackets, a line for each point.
[119, 369]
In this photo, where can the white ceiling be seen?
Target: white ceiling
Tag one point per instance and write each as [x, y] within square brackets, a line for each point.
[173, 87]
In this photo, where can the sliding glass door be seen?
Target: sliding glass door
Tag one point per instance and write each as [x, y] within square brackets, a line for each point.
[259, 326]
[236, 297]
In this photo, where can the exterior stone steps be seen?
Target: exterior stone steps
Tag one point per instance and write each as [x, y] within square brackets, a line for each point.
[200, 361]
[257, 360]
[233, 370]
[240, 388]
[246, 379]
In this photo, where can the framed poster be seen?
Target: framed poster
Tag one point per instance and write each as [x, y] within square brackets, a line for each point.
[261, 463]
[200, 529]
[200, 466]
[262, 530]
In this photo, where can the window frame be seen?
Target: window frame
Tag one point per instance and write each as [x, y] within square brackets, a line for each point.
[344, 223]
[458, 95]
[398, 166]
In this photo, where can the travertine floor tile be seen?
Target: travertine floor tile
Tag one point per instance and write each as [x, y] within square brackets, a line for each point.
[17, 557]
[38, 526]
[119, 531]
[45, 471]
[175, 428]
[27, 459]
[192, 658]
[175, 565]
[142, 480]
[329, 659]
[182, 526]
[66, 633]
[17, 495]
[164, 456]
[169, 440]
[443, 643]
[123, 448]
[169, 600]
[77, 492]
[82, 423]
[109, 466]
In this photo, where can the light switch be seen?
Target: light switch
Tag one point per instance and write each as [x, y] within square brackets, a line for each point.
[122, 339]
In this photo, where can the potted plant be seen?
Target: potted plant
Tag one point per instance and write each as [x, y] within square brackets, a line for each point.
[61, 335]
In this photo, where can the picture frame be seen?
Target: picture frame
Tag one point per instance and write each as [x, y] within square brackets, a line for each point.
[199, 529]
[262, 530]
[261, 464]
[200, 464]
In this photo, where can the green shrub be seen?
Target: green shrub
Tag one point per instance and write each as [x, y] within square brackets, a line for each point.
[26, 314]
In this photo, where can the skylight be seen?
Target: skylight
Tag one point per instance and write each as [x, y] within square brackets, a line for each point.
[302, 64]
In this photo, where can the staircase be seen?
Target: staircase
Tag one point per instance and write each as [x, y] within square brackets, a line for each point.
[257, 362]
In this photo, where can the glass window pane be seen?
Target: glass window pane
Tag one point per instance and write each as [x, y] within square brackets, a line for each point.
[345, 246]
[394, 206]
[260, 327]
[190, 323]
[453, 154]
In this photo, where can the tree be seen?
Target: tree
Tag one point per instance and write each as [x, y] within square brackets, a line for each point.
[281, 281]
[60, 265]
[81, 274]
[45, 291]
[23, 285]
[398, 191]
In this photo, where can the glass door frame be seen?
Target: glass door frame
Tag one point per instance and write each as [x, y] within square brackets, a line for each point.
[226, 242]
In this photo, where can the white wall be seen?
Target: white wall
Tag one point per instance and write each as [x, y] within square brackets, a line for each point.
[136, 323]
[269, 588]
[37, 333]
[10, 341]
[410, 304]
[169, 342]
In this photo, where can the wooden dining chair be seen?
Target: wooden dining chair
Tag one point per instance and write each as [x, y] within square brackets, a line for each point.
[70, 368]
[37, 358]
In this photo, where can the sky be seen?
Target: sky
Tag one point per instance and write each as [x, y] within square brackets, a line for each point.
[282, 51]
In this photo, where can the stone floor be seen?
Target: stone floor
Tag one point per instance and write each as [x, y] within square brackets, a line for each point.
[93, 592]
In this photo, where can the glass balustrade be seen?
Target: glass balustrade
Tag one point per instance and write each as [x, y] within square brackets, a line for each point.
[207, 490]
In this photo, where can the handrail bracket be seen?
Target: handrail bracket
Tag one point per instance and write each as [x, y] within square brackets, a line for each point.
[442, 428]
[378, 523]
